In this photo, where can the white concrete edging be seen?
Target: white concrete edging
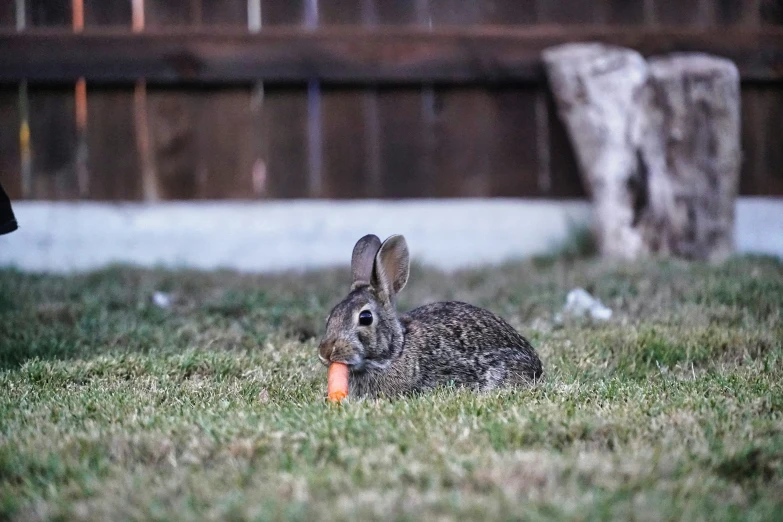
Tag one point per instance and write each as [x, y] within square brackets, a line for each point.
[270, 236]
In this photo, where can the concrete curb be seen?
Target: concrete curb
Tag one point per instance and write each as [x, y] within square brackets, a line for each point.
[271, 236]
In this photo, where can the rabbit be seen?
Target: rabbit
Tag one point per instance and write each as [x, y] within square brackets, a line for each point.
[446, 343]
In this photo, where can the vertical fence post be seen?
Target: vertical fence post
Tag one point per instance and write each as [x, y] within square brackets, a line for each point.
[80, 99]
[544, 180]
[372, 122]
[196, 12]
[428, 115]
[254, 25]
[24, 114]
[148, 174]
[314, 141]
[707, 15]
[543, 138]
[650, 18]
[254, 20]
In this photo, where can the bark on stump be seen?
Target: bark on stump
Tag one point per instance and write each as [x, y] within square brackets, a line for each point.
[658, 146]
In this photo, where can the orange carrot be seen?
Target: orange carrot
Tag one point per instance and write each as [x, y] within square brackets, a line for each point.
[337, 382]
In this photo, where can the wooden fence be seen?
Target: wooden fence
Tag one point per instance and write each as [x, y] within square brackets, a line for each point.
[162, 99]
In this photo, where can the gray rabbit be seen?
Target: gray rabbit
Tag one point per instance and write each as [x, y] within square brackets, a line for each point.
[437, 344]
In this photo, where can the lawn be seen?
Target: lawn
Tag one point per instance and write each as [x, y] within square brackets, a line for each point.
[113, 408]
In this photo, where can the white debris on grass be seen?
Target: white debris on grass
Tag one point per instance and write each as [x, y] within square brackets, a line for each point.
[161, 299]
[579, 303]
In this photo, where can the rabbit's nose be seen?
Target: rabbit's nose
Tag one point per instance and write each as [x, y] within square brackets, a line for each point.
[325, 350]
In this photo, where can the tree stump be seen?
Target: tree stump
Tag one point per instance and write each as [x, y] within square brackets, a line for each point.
[598, 89]
[692, 154]
[658, 146]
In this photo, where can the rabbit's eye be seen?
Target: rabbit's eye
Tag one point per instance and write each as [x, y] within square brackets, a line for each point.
[365, 318]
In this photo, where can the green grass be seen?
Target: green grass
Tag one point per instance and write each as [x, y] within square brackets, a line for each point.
[114, 409]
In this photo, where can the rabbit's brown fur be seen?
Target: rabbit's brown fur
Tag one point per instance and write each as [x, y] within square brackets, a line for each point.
[436, 344]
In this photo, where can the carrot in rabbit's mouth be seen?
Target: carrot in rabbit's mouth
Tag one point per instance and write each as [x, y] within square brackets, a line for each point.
[337, 382]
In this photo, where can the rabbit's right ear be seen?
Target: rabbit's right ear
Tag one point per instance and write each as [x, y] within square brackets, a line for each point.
[392, 266]
[362, 260]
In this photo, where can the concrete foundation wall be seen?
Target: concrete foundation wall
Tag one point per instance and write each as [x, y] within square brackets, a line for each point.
[269, 236]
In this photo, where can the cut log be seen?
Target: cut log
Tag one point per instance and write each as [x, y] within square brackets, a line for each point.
[598, 89]
[692, 155]
[658, 146]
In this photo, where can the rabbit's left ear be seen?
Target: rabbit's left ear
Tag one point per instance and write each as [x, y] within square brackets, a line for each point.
[363, 259]
[392, 266]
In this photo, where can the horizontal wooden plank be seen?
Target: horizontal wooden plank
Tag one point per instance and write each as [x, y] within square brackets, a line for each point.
[487, 54]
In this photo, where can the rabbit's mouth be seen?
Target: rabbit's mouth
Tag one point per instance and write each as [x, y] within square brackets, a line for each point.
[355, 362]
[340, 352]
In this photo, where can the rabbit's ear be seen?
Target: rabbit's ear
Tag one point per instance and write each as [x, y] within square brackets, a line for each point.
[362, 260]
[392, 266]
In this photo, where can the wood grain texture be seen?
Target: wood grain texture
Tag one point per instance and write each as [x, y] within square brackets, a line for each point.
[771, 12]
[227, 145]
[46, 13]
[514, 159]
[51, 113]
[7, 14]
[454, 13]
[510, 12]
[286, 142]
[225, 13]
[571, 12]
[282, 13]
[684, 14]
[762, 120]
[344, 145]
[737, 12]
[107, 13]
[626, 12]
[112, 161]
[405, 110]
[53, 143]
[404, 117]
[341, 13]
[464, 119]
[173, 117]
[459, 120]
[348, 55]
[203, 140]
[515, 164]
[403, 147]
[346, 128]
[10, 160]
[203, 143]
[401, 13]
[161, 14]
[112, 156]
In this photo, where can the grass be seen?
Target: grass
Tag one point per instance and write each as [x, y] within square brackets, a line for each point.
[115, 409]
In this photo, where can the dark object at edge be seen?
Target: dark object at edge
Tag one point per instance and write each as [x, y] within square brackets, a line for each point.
[7, 220]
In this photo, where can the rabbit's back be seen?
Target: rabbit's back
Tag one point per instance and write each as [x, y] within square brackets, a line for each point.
[459, 343]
